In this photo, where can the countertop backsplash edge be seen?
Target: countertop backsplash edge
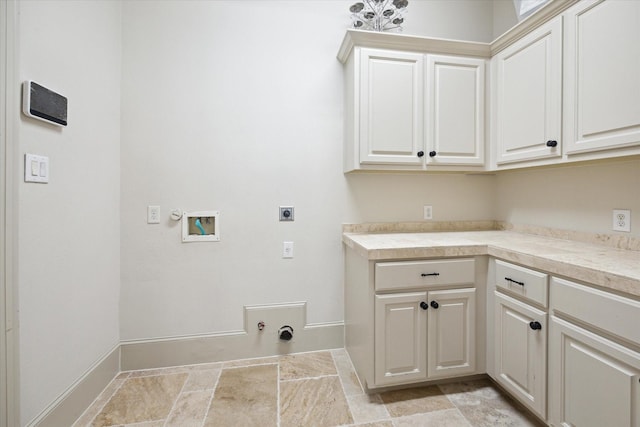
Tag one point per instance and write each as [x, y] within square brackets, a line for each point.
[617, 241]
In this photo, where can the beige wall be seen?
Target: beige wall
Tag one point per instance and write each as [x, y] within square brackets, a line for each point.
[579, 197]
[69, 250]
[504, 17]
[225, 108]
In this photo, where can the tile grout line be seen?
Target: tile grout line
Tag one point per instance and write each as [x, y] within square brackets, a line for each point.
[319, 377]
[344, 391]
[106, 400]
[249, 366]
[213, 393]
[278, 401]
[166, 420]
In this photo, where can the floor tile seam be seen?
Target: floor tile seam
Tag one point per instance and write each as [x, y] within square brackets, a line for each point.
[250, 366]
[310, 378]
[99, 411]
[464, 417]
[353, 368]
[445, 394]
[158, 375]
[175, 401]
[384, 405]
[213, 393]
[141, 423]
[278, 400]
[392, 419]
[344, 392]
[344, 389]
[377, 420]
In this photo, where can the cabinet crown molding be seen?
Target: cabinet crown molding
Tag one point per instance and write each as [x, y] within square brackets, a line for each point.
[404, 42]
[422, 44]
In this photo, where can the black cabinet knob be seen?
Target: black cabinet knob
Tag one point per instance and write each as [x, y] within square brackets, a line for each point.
[535, 325]
[552, 143]
[432, 153]
[420, 153]
[434, 304]
[423, 305]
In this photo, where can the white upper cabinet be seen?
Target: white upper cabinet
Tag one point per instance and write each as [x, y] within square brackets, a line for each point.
[565, 87]
[391, 107]
[602, 75]
[455, 110]
[413, 103]
[527, 77]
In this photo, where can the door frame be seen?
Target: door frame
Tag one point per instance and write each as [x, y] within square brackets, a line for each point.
[9, 167]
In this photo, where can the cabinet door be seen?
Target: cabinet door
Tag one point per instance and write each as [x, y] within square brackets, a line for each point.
[400, 338]
[528, 79]
[593, 382]
[521, 352]
[602, 82]
[391, 107]
[455, 110]
[451, 332]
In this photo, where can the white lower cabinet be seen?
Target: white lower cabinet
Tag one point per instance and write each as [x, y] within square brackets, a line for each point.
[521, 351]
[400, 338]
[594, 365]
[520, 301]
[424, 335]
[451, 345]
[424, 317]
[594, 382]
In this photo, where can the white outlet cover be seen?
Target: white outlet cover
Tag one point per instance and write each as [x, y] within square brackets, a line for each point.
[428, 212]
[153, 214]
[622, 220]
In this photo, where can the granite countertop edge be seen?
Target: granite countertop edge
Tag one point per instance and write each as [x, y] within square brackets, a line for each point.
[603, 266]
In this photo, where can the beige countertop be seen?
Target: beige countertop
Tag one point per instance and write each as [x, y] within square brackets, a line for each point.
[600, 265]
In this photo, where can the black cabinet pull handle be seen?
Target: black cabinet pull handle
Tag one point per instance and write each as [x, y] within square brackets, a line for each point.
[432, 153]
[424, 305]
[514, 281]
[420, 153]
[552, 143]
[434, 304]
[536, 326]
[429, 274]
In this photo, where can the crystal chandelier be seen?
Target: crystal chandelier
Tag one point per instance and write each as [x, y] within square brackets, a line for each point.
[378, 15]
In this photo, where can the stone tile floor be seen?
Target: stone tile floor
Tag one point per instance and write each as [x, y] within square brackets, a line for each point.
[306, 389]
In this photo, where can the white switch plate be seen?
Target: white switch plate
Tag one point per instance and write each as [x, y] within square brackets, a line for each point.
[622, 220]
[428, 212]
[287, 249]
[153, 214]
[36, 168]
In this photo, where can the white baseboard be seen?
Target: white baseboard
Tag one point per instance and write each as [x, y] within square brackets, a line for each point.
[65, 410]
[228, 346]
[189, 350]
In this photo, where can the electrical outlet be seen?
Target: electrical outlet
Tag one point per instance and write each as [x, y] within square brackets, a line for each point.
[428, 212]
[153, 214]
[622, 220]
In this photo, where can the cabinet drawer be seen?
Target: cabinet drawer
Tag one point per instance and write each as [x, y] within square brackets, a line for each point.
[530, 284]
[424, 274]
[611, 313]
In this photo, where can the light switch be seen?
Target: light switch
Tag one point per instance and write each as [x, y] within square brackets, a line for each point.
[287, 249]
[36, 168]
[43, 169]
